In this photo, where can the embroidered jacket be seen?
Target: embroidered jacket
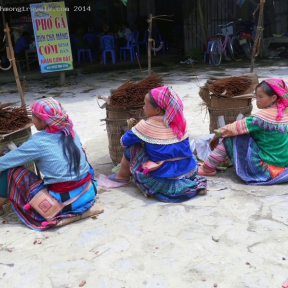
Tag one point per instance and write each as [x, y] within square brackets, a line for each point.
[161, 144]
[271, 135]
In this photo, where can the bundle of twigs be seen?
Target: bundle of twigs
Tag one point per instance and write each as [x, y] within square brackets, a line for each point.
[13, 118]
[232, 86]
[132, 93]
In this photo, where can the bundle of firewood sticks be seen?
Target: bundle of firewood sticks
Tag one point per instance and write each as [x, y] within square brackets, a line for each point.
[132, 93]
[13, 118]
[230, 86]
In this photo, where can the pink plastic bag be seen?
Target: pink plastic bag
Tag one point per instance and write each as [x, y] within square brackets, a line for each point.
[285, 284]
[104, 182]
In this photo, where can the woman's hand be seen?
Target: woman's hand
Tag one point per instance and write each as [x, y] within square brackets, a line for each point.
[215, 140]
[131, 123]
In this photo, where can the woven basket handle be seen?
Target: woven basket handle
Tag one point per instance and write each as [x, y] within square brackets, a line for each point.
[105, 99]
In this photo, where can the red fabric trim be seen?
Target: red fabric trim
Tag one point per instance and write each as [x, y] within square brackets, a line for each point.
[65, 187]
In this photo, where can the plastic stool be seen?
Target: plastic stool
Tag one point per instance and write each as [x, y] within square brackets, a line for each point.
[207, 52]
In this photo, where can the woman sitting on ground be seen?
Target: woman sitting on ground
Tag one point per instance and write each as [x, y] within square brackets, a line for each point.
[257, 145]
[161, 138]
[57, 152]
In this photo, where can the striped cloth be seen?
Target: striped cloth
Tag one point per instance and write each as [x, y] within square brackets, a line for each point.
[236, 128]
[281, 89]
[172, 190]
[52, 113]
[168, 100]
[217, 156]
[23, 185]
[243, 151]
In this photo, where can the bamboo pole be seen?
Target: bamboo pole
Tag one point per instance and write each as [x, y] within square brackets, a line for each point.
[13, 61]
[149, 44]
[138, 62]
[257, 41]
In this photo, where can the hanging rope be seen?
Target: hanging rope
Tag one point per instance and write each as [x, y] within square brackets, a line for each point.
[257, 41]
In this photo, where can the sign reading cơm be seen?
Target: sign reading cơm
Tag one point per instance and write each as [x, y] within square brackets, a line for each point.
[51, 36]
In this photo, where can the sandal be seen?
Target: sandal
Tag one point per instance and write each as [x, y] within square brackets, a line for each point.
[201, 172]
[112, 177]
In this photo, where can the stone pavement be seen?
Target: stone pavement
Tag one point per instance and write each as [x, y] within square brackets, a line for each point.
[234, 237]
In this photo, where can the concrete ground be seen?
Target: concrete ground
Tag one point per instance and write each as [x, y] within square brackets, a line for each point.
[234, 237]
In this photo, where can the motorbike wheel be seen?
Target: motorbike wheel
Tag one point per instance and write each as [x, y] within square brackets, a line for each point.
[248, 49]
[238, 50]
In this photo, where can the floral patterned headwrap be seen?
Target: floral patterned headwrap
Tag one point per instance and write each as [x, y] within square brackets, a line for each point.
[170, 102]
[280, 88]
[51, 112]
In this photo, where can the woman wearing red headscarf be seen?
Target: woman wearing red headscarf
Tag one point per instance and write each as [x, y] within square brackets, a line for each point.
[158, 154]
[257, 145]
[57, 151]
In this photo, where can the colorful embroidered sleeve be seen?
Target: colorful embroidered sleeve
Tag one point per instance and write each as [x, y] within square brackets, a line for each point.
[129, 138]
[236, 128]
[256, 124]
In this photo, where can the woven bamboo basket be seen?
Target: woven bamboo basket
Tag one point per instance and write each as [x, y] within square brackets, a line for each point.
[225, 110]
[18, 138]
[229, 115]
[116, 126]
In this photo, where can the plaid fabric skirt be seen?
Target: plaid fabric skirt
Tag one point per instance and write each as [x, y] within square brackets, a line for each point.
[164, 189]
[243, 151]
[24, 184]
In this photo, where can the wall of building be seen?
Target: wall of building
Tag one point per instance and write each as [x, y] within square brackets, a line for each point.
[200, 22]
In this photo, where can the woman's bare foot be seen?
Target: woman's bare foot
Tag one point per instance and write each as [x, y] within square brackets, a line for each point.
[113, 177]
[203, 192]
[122, 177]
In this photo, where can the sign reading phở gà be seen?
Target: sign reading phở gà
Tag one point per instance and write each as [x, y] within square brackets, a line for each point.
[51, 36]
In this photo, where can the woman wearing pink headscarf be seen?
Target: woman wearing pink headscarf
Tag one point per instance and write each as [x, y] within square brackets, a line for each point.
[257, 145]
[56, 150]
[158, 154]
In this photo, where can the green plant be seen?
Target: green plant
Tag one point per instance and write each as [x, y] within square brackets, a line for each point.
[195, 53]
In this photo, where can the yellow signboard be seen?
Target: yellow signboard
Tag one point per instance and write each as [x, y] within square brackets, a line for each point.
[51, 36]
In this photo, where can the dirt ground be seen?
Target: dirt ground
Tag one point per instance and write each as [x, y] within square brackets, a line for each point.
[233, 237]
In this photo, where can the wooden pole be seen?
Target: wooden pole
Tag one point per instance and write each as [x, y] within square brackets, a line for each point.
[13, 61]
[138, 62]
[149, 44]
[257, 40]
[203, 24]
[62, 78]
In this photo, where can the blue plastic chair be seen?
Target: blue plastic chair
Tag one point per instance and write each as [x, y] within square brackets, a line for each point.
[144, 41]
[130, 47]
[158, 39]
[91, 39]
[79, 50]
[136, 43]
[107, 45]
[207, 52]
